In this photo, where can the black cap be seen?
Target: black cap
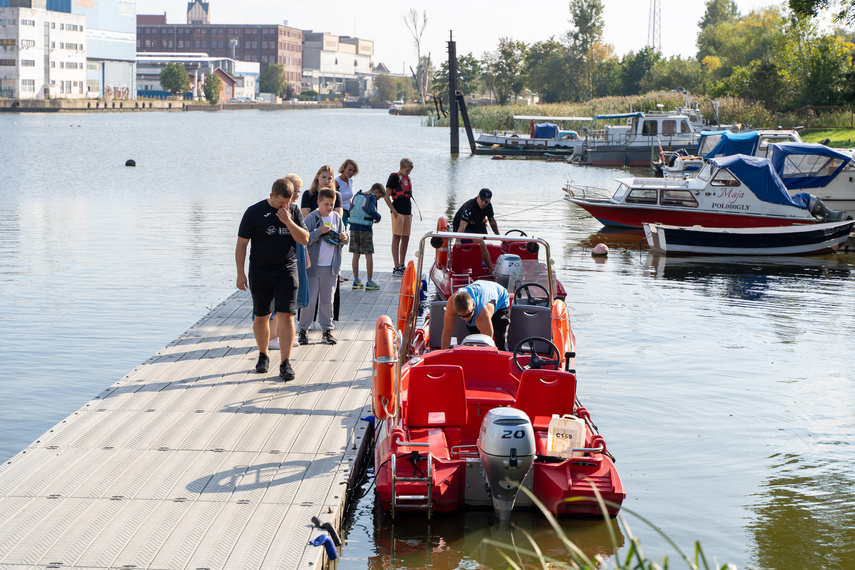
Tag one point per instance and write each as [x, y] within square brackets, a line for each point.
[485, 194]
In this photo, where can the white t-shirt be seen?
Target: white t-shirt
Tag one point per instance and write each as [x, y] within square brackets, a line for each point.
[346, 190]
[327, 250]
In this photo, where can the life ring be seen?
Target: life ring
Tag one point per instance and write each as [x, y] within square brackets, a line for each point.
[442, 251]
[407, 296]
[560, 326]
[383, 382]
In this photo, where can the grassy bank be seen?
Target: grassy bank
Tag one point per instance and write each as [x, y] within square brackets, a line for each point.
[839, 138]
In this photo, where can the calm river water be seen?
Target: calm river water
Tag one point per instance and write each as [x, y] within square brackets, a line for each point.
[723, 387]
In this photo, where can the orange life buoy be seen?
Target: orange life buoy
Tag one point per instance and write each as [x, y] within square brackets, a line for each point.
[383, 383]
[407, 296]
[560, 326]
[442, 252]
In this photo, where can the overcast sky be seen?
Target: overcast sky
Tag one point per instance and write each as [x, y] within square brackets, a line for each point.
[477, 26]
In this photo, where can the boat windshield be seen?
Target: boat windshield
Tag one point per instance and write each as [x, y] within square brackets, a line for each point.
[620, 192]
[705, 172]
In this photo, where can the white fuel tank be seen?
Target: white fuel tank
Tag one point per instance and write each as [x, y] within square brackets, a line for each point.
[507, 449]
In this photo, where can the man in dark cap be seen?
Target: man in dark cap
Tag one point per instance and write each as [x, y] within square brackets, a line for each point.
[472, 218]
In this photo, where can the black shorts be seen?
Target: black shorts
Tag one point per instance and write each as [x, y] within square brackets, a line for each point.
[500, 322]
[473, 229]
[274, 289]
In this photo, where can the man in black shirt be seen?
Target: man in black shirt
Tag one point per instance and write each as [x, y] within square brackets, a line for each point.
[275, 227]
[472, 217]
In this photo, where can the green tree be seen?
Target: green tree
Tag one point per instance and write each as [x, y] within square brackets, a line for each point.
[272, 79]
[634, 66]
[174, 78]
[468, 77]
[845, 9]
[586, 17]
[718, 12]
[504, 69]
[674, 72]
[391, 88]
[212, 86]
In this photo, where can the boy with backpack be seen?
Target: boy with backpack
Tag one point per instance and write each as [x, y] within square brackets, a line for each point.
[363, 214]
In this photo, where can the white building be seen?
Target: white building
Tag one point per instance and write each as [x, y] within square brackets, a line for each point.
[42, 53]
[337, 64]
[198, 66]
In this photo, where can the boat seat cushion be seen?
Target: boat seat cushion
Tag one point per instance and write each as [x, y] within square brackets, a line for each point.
[437, 316]
[528, 321]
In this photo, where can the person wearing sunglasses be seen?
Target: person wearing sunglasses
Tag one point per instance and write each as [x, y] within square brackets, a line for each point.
[483, 306]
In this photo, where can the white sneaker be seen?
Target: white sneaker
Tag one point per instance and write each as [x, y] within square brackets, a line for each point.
[296, 342]
[273, 344]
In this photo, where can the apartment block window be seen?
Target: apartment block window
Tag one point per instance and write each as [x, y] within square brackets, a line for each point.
[28, 22]
[28, 85]
[7, 63]
[28, 63]
[28, 43]
[61, 26]
[7, 42]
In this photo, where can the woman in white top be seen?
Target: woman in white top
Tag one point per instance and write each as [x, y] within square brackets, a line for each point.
[344, 184]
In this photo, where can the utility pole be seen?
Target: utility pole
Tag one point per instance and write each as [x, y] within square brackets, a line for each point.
[452, 94]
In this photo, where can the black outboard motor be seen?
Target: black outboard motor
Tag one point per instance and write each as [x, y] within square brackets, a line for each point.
[819, 210]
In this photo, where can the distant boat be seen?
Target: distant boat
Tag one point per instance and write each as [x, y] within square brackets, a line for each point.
[543, 136]
[776, 240]
[396, 107]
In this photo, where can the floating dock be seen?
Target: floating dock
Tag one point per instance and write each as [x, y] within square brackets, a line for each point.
[193, 460]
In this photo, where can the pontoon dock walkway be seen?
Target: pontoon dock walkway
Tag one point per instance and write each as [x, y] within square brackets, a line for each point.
[194, 460]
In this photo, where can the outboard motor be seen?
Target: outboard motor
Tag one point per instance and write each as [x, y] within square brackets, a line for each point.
[507, 449]
[820, 210]
[508, 271]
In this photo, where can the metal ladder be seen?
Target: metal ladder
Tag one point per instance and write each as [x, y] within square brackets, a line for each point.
[413, 502]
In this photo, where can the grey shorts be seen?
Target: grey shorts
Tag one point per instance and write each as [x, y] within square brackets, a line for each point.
[361, 242]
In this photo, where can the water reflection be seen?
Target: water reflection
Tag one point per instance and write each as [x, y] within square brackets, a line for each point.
[457, 541]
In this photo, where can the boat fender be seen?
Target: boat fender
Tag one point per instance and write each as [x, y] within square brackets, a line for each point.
[327, 543]
[372, 421]
[383, 382]
[442, 250]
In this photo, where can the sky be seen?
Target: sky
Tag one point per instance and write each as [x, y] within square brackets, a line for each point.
[477, 26]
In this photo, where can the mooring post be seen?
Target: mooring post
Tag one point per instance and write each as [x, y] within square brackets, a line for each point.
[452, 91]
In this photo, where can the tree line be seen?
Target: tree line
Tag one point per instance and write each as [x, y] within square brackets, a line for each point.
[776, 57]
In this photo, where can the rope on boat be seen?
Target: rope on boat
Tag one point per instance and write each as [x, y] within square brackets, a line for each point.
[501, 216]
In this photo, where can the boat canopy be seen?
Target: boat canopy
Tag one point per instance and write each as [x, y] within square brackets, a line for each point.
[546, 131]
[807, 165]
[620, 116]
[757, 173]
[727, 143]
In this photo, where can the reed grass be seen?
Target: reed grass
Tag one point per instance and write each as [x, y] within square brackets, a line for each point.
[632, 559]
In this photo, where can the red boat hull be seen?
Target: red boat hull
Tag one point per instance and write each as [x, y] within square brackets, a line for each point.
[634, 216]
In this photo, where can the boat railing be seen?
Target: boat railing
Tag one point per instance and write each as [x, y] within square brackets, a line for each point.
[580, 191]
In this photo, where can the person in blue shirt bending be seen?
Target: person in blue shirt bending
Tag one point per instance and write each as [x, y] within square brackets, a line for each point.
[483, 306]
[363, 215]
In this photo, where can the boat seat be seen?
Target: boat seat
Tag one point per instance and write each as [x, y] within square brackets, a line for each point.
[519, 248]
[465, 257]
[545, 392]
[527, 321]
[436, 396]
[437, 317]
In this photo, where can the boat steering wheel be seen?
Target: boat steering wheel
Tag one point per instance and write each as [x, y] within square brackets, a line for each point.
[526, 347]
[522, 233]
[530, 300]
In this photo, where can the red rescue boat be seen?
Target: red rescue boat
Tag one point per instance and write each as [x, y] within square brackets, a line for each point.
[467, 426]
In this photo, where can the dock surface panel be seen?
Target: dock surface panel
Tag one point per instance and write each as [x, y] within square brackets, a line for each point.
[195, 461]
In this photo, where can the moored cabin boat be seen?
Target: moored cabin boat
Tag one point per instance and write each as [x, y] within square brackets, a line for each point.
[729, 192]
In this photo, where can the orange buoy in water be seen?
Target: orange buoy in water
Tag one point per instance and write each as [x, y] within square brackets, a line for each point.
[442, 251]
[407, 296]
[383, 383]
